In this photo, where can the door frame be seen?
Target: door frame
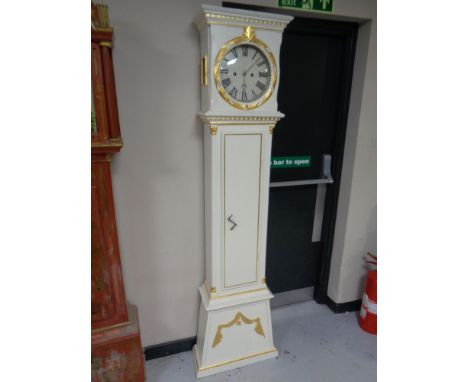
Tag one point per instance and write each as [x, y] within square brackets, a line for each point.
[349, 31]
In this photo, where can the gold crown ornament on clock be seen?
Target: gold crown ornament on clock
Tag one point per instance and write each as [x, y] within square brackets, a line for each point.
[239, 76]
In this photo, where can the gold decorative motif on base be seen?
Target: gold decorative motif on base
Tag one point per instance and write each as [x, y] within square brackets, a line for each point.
[238, 319]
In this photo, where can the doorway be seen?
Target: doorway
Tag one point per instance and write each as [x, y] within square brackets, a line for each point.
[316, 66]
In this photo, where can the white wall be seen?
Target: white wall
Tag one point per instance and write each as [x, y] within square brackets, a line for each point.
[158, 176]
[356, 223]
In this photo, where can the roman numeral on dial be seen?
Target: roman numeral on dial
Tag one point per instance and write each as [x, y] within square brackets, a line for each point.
[233, 92]
[260, 85]
[263, 62]
[263, 74]
[224, 71]
[244, 96]
[245, 50]
[226, 82]
[234, 52]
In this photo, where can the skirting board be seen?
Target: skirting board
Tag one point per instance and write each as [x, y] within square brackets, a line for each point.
[186, 344]
[168, 348]
[342, 307]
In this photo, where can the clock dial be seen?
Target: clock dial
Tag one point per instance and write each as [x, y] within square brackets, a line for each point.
[245, 73]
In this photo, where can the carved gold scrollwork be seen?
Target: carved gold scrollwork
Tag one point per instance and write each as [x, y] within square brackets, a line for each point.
[249, 32]
[238, 320]
[213, 130]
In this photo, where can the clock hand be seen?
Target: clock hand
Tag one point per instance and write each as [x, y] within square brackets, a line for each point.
[250, 67]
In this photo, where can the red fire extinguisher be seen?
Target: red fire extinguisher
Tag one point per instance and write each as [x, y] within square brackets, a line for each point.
[368, 314]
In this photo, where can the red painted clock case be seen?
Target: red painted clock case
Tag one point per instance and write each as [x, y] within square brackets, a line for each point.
[116, 352]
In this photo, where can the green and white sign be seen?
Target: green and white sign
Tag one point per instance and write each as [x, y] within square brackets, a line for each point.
[290, 162]
[307, 5]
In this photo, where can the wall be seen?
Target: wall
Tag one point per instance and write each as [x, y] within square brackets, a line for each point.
[356, 223]
[158, 176]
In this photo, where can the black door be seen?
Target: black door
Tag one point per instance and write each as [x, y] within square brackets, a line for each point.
[315, 76]
[316, 61]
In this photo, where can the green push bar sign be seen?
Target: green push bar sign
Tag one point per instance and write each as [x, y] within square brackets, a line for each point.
[290, 162]
[307, 5]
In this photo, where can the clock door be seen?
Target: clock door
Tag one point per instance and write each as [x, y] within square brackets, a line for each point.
[108, 306]
[242, 181]
[99, 111]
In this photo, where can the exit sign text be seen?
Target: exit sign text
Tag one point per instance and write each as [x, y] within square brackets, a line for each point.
[307, 5]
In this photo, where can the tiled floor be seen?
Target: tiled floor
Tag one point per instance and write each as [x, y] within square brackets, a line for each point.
[314, 345]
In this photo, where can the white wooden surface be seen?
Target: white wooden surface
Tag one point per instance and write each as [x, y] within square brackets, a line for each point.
[237, 146]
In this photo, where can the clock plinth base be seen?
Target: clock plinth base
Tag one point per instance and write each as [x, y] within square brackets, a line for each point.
[116, 352]
[219, 368]
[233, 331]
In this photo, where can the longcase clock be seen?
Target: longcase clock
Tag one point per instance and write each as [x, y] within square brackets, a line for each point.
[239, 77]
[116, 352]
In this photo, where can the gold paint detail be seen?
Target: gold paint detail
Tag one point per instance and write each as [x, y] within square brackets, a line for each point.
[115, 326]
[260, 27]
[96, 68]
[258, 211]
[204, 69]
[212, 290]
[268, 54]
[249, 32]
[107, 44]
[100, 20]
[246, 20]
[238, 320]
[213, 130]
[115, 143]
[263, 280]
[246, 119]
[237, 293]
[108, 158]
[270, 129]
[231, 361]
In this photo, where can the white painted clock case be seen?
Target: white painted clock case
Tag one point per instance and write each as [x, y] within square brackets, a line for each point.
[234, 323]
[237, 173]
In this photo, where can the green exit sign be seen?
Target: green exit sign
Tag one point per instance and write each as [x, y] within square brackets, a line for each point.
[290, 162]
[307, 5]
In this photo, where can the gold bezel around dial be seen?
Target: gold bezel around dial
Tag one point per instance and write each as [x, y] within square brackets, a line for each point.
[248, 36]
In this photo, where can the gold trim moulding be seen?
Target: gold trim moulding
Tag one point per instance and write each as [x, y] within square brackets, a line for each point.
[115, 326]
[107, 44]
[240, 25]
[237, 293]
[225, 136]
[204, 68]
[246, 20]
[102, 29]
[248, 36]
[118, 143]
[245, 120]
[231, 361]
